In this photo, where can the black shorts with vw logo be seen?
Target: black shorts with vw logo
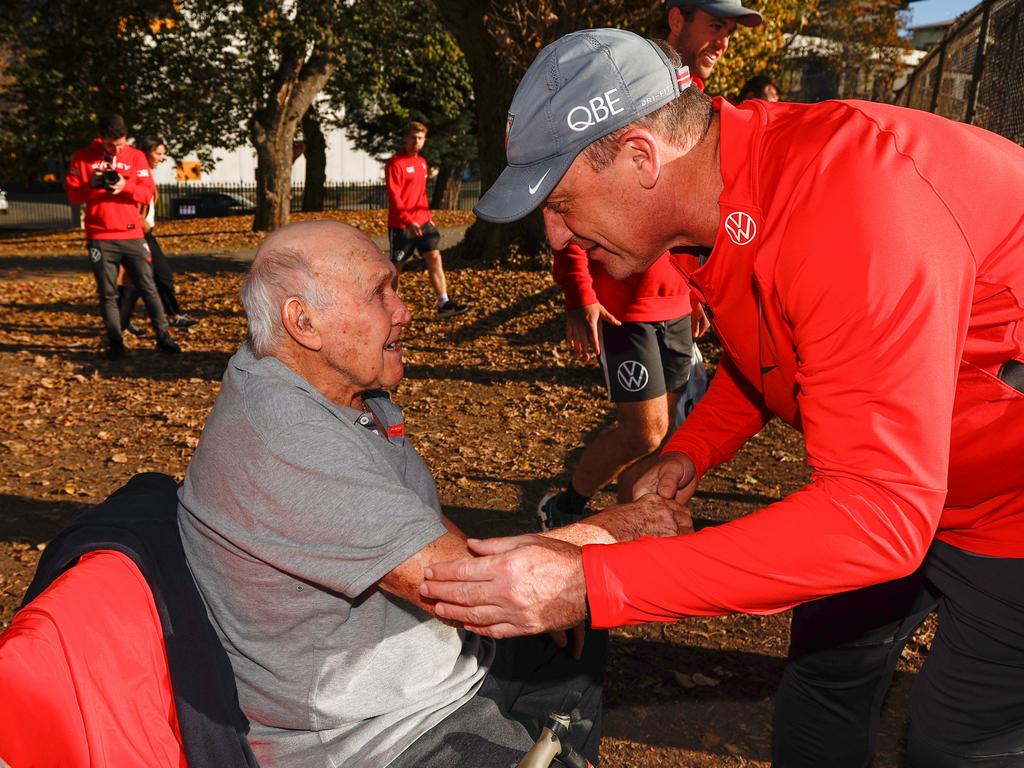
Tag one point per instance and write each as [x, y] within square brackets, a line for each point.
[403, 242]
[642, 361]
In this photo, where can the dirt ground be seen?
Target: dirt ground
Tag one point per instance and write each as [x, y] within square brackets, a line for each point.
[494, 403]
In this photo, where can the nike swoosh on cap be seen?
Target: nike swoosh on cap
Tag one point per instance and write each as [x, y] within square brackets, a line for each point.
[534, 187]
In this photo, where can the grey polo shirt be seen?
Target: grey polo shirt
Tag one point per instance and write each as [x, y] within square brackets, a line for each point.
[292, 510]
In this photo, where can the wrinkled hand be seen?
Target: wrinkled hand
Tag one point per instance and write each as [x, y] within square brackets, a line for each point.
[581, 328]
[699, 322]
[521, 585]
[673, 477]
[647, 515]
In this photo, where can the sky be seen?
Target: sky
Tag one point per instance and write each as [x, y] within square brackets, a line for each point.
[930, 11]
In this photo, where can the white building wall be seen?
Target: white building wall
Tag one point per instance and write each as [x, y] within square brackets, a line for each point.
[345, 163]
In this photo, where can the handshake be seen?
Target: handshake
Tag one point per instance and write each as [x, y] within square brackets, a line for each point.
[523, 585]
[647, 515]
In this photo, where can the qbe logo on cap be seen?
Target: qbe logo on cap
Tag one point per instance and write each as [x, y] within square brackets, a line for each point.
[596, 110]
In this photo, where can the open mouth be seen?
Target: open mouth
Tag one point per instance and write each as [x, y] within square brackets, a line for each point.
[394, 346]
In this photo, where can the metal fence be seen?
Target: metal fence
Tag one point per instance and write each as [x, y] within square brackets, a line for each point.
[976, 73]
[46, 207]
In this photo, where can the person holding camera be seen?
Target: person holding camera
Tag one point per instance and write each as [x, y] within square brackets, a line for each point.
[155, 149]
[112, 179]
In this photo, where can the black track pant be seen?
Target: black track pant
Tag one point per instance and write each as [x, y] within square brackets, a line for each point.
[967, 705]
[529, 679]
[106, 256]
[128, 295]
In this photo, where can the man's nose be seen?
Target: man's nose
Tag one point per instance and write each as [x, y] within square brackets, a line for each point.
[558, 234]
[401, 315]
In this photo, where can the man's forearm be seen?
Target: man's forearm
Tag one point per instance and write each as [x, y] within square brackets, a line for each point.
[649, 515]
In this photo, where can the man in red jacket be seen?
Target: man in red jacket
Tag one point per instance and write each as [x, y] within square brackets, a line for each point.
[866, 280]
[641, 328]
[410, 226]
[112, 179]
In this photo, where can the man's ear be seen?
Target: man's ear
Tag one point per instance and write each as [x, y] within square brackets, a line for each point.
[640, 150]
[299, 322]
[676, 22]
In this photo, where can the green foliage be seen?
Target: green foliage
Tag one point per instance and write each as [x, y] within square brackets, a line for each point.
[760, 50]
[400, 64]
[195, 71]
[69, 60]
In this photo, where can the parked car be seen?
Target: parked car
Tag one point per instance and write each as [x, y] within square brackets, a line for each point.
[4, 205]
[206, 204]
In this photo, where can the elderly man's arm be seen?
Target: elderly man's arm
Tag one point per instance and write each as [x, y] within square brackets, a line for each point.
[649, 515]
[404, 581]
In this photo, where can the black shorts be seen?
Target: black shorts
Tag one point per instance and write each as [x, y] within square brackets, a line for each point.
[403, 243]
[642, 361]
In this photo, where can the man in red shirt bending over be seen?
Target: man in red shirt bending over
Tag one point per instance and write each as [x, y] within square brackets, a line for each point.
[641, 327]
[112, 179]
[866, 280]
[410, 226]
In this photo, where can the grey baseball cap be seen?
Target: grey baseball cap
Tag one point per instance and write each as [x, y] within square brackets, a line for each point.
[723, 9]
[578, 89]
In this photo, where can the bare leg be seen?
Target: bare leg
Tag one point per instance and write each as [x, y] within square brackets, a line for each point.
[639, 430]
[435, 271]
[632, 473]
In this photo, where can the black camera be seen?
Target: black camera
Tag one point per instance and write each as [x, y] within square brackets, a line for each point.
[110, 177]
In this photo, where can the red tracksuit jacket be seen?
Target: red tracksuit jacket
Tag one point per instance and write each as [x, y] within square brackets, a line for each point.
[867, 284]
[107, 216]
[658, 293]
[406, 177]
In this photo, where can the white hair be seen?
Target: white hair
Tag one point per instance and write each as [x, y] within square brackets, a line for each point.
[276, 274]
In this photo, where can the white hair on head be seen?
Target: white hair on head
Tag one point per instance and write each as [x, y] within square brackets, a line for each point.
[276, 274]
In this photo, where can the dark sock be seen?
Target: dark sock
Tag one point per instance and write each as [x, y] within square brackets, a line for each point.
[573, 502]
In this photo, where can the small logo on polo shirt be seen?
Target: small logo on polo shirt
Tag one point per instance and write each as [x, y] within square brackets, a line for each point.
[740, 227]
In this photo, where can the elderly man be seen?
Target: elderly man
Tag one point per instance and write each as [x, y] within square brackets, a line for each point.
[308, 518]
[866, 280]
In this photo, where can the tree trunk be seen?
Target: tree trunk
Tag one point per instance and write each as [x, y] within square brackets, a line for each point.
[273, 179]
[447, 187]
[272, 129]
[316, 162]
[493, 88]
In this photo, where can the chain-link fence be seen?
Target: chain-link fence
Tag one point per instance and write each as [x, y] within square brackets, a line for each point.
[976, 73]
[46, 206]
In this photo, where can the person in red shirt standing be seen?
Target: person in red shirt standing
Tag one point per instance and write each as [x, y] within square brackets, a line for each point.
[112, 180]
[641, 328]
[410, 226]
[866, 280]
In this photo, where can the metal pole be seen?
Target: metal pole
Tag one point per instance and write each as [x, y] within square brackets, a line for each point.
[979, 62]
[938, 76]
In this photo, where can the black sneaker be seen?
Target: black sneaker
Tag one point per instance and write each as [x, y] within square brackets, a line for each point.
[551, 513]
[115, 350]
[134, 330]
[165, 343]
[451, 309]
[183, 321]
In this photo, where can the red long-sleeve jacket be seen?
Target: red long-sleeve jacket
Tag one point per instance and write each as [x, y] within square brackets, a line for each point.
[867, 284]
[107, 216]
[406, 177]
[658, 293]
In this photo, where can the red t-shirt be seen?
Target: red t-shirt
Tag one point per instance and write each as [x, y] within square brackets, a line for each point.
[658, 293]
[867, 284]
[107, 216]
[406, 177]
